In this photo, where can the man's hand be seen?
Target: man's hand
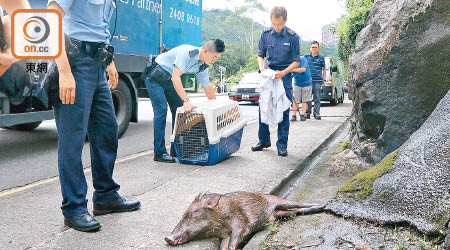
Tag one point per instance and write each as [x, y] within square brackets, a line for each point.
[188, 107]
[6, 59]
[113, 76]
[279, 75]
[66, 88]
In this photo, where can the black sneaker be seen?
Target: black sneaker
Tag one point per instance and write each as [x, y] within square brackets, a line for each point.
[307, 116]
[302, 118]
[294, 118]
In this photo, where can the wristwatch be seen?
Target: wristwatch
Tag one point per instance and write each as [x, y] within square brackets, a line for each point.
[186, 99]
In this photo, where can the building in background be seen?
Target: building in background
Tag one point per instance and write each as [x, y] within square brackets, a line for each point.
[329, 36]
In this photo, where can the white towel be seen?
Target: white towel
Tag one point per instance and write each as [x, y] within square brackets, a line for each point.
[273, 100]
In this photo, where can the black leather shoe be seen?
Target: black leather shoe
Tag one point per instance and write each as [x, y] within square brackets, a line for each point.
[317, 116]
[164, 158]
[82, 222]
[120, 205]
[307, 116]
[259, 146]
[282, 152]
[173, 153]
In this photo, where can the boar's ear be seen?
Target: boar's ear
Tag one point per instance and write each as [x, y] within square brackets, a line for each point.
[198, 198]
[213, 200]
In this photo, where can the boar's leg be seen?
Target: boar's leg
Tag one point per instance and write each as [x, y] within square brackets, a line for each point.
[224, 243]
[282, 213]
[236, 237]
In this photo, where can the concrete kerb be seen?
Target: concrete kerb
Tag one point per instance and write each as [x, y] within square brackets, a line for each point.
[285, 187]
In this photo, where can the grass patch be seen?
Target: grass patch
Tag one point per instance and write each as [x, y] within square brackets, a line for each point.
[344, 143]
[362, 183]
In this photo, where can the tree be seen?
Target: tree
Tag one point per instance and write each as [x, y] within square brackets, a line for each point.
[239, 32]
[350, 25]
[242, 26]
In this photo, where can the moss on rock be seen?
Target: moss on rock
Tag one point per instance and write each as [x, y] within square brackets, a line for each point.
[362, 183]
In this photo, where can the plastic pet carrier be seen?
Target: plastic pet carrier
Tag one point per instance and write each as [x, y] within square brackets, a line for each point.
[209, 134]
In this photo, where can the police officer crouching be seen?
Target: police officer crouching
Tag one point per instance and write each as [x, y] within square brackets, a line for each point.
[86, 106]
[282, 46]
[164, 86]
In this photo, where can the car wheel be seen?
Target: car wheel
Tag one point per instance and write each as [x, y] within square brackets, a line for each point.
[335, 100]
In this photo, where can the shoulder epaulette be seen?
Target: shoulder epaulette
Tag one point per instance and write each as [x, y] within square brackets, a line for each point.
[291, 32]
[193, 52]
[267, 29]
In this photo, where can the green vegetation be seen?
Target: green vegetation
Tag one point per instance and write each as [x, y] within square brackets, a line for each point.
[240, 34]
[385, 195]
[273, 227]
[362, 183]
[344, 144]
[349, 26]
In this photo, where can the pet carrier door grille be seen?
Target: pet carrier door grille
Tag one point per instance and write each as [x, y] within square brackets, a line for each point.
[228, 118]
[191, 137]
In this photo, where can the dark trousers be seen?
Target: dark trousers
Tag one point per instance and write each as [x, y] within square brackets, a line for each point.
[161, 95]
[283, 126]
[316, 99]
[92, 113]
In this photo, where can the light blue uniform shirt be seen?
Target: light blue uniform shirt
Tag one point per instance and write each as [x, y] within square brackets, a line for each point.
[87, 20]
[185, 57]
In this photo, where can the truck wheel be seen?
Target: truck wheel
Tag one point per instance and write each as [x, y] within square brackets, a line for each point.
[21, 108]
[122, 106]
[26, 126]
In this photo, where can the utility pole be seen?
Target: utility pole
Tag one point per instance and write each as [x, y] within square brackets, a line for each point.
[222, 70]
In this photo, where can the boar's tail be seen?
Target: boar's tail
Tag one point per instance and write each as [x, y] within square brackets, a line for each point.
[283, 204]
[310, 210]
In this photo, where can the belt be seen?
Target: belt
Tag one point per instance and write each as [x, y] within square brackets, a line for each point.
[278, 67]
[90, 48]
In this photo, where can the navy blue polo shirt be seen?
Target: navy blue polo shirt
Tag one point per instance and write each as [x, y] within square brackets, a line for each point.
[316, 64]
[303, 79]
[282, 48]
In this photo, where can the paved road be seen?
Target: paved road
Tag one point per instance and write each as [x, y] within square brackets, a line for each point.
[27, 157]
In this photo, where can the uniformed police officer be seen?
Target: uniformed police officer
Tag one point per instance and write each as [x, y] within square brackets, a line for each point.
[86, 107]
[282, 46]
[164, 85]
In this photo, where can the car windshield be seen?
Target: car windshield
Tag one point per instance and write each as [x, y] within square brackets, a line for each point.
[250, 78]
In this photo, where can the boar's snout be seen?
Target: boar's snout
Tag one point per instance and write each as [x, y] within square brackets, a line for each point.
[175, 240]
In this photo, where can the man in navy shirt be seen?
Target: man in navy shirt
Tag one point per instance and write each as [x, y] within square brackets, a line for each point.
[282, 46]
[302, 88]
[317, 67]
